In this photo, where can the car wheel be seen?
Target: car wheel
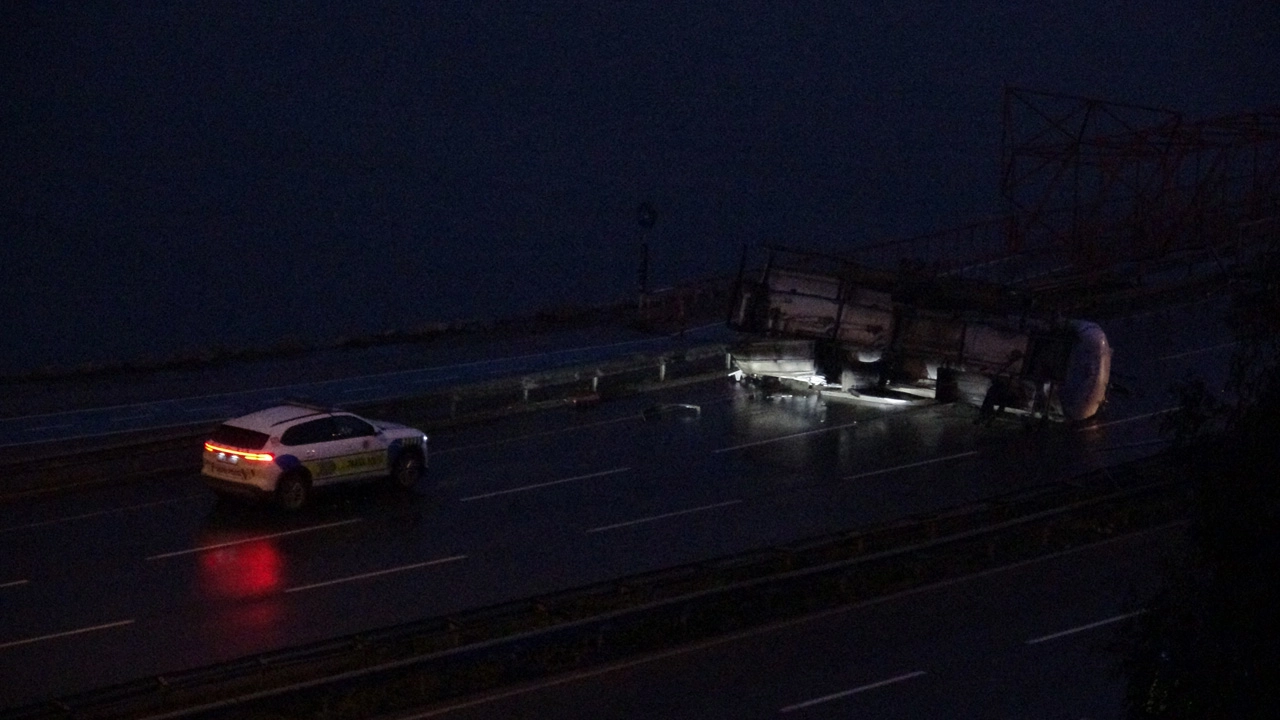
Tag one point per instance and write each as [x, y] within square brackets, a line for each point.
[407, 470]
[292, 491]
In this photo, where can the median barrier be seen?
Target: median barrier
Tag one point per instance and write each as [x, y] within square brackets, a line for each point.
[65, 464]
[438, 659]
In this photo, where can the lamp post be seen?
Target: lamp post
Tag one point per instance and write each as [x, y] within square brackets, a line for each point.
[646, 217]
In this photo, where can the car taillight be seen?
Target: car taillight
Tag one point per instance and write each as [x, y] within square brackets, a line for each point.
[263, 457]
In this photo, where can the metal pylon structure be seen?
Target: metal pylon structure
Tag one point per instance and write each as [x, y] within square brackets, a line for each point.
[1093, 187]
[1104, 183]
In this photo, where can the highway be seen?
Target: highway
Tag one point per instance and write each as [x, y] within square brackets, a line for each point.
[1031, 640]
[110, 584]
[83, 409]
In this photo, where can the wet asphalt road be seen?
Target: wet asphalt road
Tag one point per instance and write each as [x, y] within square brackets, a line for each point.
[112, 584]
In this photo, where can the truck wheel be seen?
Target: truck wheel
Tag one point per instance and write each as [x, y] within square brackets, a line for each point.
[407, 470]
[291, 492]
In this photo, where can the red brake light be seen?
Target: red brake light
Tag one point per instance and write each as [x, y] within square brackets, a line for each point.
[264, 457]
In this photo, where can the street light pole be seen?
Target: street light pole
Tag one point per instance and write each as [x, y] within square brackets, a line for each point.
[646, 217]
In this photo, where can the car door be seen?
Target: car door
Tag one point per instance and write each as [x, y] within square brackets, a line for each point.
[313, 444]
[359, 451]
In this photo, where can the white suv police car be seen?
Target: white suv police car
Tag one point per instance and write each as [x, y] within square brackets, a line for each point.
[283, 452]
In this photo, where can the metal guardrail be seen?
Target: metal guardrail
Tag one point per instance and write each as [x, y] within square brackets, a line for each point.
[66, 465]
[444, 657]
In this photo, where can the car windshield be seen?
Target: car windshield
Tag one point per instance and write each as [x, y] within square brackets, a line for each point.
[239, 438]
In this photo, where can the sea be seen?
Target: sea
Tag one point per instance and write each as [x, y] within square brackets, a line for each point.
[196, 177]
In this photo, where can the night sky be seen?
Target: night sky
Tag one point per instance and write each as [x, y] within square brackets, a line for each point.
[184, 175]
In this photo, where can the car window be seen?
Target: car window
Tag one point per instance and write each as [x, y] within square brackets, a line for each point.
[238, 437]
[351, 426]
[313, 431]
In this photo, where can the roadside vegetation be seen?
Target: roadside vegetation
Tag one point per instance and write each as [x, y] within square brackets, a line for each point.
[1209, 645]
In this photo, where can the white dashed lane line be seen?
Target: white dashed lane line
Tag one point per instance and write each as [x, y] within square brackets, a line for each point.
[525, 488]
[101, 513]
[854, 691]
[65, 633]
[44, 428]
[256, 538]
[434, 380]
[1083, 628]
[785, 437]
[219, 409]
[378, 573]
[1197, 351]
[664, 516]
[896, 468]
[541, 434]
[1129, 419]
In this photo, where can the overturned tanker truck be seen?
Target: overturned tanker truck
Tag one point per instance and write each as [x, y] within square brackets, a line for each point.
[901, 337]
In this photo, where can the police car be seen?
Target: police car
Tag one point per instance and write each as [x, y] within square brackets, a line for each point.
[284, 452]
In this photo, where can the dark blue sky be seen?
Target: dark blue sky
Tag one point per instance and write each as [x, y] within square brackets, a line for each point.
[185, 175]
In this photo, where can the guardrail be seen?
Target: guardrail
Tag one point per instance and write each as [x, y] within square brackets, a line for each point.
[62, 465]
[440, 658]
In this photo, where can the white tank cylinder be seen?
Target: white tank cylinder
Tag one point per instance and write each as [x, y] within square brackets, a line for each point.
[1088, 372]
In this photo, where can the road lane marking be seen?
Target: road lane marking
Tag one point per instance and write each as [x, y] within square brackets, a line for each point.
[518, 359]
[1082, 628]
[700, 328]
[83, 411]
[539, 434]
[256, 538]
[1170, 308]
[186, 424]
[785, 437]
[561, 431]
[911, 465]
[353, 391]
[210, 408]
[778, 626]
[13, 583]
[128, 418]
[365, 576]
[432, 380]
[663, 516]
[295, 388]
[100, 513]
[524, 488]
[854, 691]
[1140, 443]
[42, 428]
[1189, 353]
[1129, 419]
[54, 636]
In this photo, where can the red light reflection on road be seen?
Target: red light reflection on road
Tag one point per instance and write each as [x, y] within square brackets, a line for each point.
[248, 579]
[242, 571]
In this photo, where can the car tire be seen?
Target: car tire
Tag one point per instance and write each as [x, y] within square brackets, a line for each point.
[407, 470]
[292, 491]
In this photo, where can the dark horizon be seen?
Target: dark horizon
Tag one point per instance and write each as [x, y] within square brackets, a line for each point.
[191, 176]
